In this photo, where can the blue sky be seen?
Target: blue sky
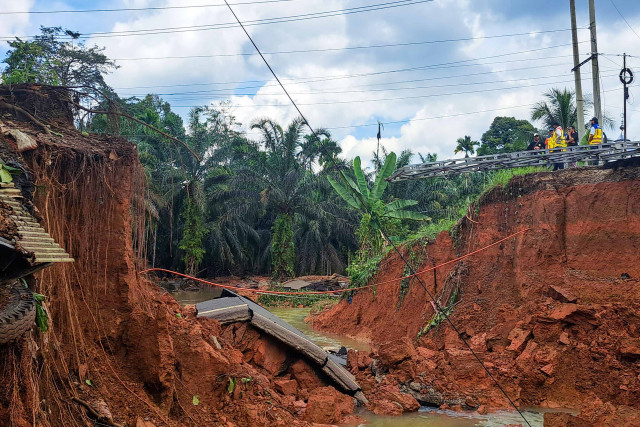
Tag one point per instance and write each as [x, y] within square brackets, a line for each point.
[453, 88]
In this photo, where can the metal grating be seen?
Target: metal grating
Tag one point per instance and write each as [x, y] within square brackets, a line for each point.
[600, 153]
[31, 235]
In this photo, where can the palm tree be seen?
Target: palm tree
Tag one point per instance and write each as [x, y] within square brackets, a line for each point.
[559, 106]
[465, 144]
[428, 158]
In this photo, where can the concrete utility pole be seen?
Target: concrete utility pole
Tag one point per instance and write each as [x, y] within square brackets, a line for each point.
[595, 72]
[576, 60]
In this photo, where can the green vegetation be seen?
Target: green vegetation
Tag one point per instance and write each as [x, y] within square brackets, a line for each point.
[299, 298]
[506, 134]
[273, 204]
[441, 315]
[282, 250]
[7, 172]
[42, 317]
[501, 178]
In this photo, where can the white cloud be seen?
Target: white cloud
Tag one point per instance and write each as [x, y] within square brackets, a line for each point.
[436, 20]
[15, 24]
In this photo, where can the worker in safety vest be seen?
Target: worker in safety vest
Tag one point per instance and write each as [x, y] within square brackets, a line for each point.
[595, 135]
[560, 137]
[549, 142]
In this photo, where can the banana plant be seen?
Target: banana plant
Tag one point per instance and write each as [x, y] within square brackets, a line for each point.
[369, 201]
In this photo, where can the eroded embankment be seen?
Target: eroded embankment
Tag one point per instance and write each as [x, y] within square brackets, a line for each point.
[118, 344]
[553, 312]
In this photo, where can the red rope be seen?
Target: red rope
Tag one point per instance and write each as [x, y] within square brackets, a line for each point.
[236, 288]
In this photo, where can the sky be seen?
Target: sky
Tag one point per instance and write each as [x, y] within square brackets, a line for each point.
[453, 65]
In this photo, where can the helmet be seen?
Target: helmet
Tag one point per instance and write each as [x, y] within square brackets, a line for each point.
[594, 119]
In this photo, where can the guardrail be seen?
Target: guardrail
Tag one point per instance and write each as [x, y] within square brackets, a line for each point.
[597, 153]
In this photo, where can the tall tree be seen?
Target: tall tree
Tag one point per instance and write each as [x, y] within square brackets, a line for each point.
[56, 57]
[465, 144]
[505, 135]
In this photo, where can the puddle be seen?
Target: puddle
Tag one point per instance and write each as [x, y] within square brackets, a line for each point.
[430, 417]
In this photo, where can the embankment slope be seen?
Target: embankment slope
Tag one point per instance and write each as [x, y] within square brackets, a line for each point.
[119, 349]
[554, 312]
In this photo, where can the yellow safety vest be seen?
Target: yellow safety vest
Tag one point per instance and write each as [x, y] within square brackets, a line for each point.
[562, 142]
[597, 136]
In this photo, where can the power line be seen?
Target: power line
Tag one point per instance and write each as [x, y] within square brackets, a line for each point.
[446, 116]
[624, 19]
[132, 9]
[232, 92]
[402, 98]
[338, 49]
[229, 92]
[341, 89]
[374, 218]
[264, 21]
[451, 64]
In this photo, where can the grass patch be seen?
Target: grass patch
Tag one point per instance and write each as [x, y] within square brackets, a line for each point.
[308, 300]
[500, 178]
[428, 232]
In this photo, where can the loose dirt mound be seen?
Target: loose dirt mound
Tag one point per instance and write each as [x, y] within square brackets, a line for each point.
[119, 349]
[554, 312]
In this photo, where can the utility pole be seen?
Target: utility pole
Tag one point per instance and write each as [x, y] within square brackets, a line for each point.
[626, 77]
[595, 71]
[578, 78]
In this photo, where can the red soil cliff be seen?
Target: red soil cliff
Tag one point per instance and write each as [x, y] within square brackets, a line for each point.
[554, 312]
[120, 350]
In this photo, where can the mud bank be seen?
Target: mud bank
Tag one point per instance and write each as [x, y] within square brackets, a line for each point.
[553, 312]
[120, 350]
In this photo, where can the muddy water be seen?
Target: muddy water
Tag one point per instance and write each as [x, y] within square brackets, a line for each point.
[296, 316]
[426, 417]
[194, 297]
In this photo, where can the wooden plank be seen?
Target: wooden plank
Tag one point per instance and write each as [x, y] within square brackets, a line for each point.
[50, 259]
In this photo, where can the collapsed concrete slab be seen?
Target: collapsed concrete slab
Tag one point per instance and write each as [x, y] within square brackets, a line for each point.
[231, 308]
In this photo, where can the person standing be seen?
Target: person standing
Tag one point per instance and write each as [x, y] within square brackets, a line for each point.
[595, 134]
[572, 141]
[560, 138]
[536, 144]
[572, 137]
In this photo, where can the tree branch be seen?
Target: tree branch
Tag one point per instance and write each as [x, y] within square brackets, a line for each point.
[15, 108]
[118, 113]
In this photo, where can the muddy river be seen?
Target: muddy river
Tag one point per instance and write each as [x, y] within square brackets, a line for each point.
[425, 417]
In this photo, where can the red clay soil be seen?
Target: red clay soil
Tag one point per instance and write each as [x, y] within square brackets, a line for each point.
[120, 350]
[554, 313]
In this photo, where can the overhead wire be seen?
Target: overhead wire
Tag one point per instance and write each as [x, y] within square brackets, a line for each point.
[449, 64]
[135, 9]
[371, 86]
[398, 98]
[374, 219]
[345, 48]
[624, 19]
[225, 25]
[338, 291]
